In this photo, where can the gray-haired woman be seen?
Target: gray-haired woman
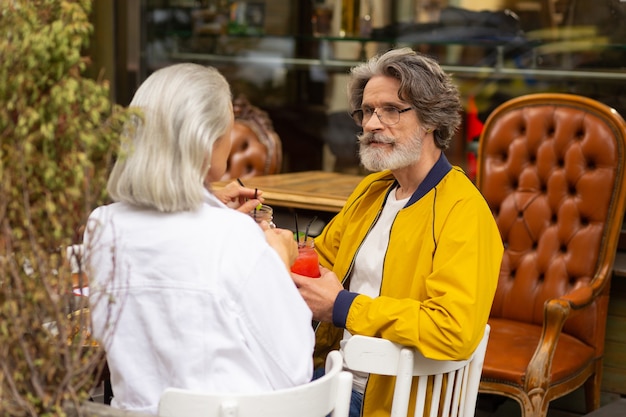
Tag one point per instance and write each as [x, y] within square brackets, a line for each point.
[185, 291]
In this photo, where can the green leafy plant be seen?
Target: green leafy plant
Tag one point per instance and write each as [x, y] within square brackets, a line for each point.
[59, 132]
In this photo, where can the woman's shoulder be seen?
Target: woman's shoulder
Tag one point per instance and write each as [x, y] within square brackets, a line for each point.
[116, 207]
[103, 213]
[230, 217]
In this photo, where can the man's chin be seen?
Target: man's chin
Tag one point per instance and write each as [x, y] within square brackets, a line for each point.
[374, 164]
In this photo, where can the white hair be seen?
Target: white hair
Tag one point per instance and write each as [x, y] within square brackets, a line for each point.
[185, 109]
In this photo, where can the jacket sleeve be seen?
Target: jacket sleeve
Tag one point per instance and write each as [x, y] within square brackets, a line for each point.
[327, 243]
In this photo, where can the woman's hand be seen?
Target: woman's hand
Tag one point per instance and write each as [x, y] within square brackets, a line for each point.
[283, 243]
[238, 197]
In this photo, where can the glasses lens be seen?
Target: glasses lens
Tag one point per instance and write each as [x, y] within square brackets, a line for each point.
[388, 115]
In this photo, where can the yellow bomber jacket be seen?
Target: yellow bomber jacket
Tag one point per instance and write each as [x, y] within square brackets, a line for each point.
[439, 275]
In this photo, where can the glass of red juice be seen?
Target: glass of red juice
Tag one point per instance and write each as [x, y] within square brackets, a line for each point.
[306, 263]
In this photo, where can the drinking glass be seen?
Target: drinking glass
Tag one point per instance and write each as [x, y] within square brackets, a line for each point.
[307, 262]
[263, 212]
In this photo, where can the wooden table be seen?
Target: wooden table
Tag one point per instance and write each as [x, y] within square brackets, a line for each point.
[311, 190]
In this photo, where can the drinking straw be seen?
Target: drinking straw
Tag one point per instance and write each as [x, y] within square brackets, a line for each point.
[254, 211]
[297, 233]
[306, 231]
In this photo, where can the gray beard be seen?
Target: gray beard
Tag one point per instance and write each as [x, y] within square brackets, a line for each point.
[401, 154]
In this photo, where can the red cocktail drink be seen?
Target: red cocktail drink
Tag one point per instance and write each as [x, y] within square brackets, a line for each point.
[306, 263]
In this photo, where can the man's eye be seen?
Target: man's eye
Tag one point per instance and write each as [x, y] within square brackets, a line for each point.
[368, 111]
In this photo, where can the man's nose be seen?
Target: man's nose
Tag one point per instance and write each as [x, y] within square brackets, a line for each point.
[373, 123]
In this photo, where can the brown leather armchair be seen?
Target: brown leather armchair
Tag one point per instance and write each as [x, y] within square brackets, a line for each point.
[551, 167]
[256, 147]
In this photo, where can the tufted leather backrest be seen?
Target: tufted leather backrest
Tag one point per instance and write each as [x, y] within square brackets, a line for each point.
[551, 167]
[256, 148]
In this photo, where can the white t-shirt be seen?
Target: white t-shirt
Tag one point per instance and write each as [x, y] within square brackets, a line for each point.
[199, 300]
[367, 274]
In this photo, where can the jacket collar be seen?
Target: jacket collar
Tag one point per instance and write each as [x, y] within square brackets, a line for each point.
[434, 176]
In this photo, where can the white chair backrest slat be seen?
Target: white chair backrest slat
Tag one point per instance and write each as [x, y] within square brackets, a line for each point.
[449, 385]
[329, 394]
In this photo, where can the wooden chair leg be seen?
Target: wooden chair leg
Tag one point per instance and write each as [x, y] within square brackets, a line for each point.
[592, 389]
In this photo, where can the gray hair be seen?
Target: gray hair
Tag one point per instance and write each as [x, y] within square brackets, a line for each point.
[423, 84]
[167, 152]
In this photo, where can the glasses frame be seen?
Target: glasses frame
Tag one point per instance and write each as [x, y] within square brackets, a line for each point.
[357, 111]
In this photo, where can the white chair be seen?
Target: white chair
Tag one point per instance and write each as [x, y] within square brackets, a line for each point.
[329, 394]
[456, 395]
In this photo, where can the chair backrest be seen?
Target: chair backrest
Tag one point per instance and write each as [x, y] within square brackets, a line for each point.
[329, 394]
[444, 388]
[256, 147]
[551, 167]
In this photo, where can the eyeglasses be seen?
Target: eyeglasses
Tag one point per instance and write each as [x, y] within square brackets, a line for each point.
[388, 115]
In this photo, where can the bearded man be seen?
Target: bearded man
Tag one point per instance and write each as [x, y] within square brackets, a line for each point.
[414, 255]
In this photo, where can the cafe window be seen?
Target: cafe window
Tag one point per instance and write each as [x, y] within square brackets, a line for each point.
[291, 57]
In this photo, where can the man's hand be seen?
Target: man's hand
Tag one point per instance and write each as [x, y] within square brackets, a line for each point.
[319, 293]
